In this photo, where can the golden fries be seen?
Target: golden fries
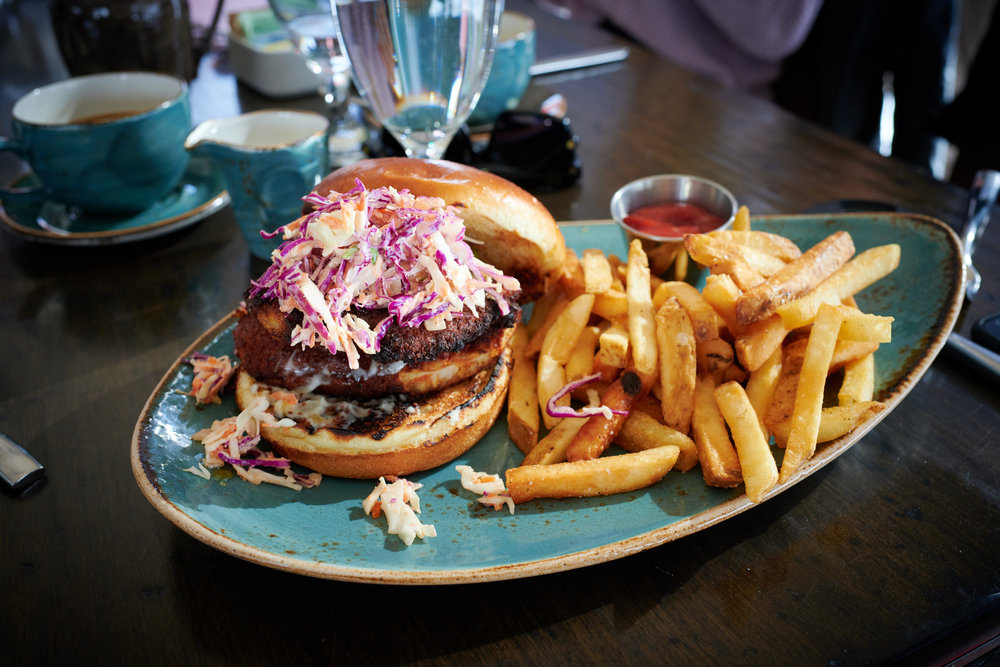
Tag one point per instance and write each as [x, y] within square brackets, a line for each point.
[678, 364]
[679, 378]
[594, 477]
[796, 278]
[522, 395]
[757, 464]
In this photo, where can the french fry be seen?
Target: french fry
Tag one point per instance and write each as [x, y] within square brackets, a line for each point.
[548, 314]
[597, 276]
[760, 472]
[597, 477]
[581, 359]
[712, 254]
[598, 432]
[857, 274]
[761, 385]
[858, 385]
[571, 277]
[681, 264]
[704, 319]
[551, 377]
[562, 335]
[847, 351]
[540, 310]
[779, 411]
[522, 395]
[611, 305]
[642, 431]
[759, 340]
[856, 325]
[765, 242]
[641, 324]
[613, 345]
[741, 221]
[838, 420]
[721, 292]
[714, 356]
[720, 465]
[552, 448]
[804, 427]
[678, 364]
[796, 278]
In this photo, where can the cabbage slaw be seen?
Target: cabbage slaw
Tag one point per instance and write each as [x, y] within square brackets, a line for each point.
[376, 249]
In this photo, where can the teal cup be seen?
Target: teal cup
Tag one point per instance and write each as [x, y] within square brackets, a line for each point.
[109, 144]
[269, 160]
[511, 71]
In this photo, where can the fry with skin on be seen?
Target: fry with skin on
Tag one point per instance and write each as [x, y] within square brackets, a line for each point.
[596, 477]
[522, 395]
[804, 426]
[720, 465]
[678, 364]
[598, 432]
[796, 278]
[714, 356]
[760, 472]
[641, 324]
[857, 274]
[708, 250]
[642, 431]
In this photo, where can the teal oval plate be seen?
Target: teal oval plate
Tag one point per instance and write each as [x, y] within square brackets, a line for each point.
[323, 532]
[200, 193]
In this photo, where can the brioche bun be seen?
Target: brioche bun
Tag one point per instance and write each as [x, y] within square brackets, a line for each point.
[506, 226]
[415, 435]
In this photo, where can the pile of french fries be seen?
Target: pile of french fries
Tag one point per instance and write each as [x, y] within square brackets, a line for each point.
[680, 378]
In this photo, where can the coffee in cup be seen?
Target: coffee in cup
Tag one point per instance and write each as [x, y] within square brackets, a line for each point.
[110, 144]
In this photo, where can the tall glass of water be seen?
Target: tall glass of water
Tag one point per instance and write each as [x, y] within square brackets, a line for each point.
[312, 27]
[420, 64]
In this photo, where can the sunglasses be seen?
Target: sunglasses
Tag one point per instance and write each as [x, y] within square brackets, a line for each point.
[534, 150]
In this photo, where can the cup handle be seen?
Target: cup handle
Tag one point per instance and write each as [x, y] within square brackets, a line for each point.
[36, 193]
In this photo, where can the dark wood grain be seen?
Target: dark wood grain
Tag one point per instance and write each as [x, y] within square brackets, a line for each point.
[882, 555]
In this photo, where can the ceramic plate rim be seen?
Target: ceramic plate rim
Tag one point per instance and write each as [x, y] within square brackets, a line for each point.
[825, 454]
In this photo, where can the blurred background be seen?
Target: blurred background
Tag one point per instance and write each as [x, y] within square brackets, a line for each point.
[909, 78]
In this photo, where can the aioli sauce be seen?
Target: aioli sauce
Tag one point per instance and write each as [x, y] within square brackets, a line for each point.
[672, 220]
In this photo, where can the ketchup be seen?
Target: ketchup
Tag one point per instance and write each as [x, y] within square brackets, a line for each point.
[672, 220]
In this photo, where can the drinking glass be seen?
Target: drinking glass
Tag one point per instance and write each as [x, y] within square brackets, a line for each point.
[312, 27]
[420, 64]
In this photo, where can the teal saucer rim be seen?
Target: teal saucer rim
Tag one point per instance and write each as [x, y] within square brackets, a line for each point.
[214, 201]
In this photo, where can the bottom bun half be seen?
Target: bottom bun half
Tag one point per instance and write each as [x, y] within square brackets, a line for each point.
[399, 436]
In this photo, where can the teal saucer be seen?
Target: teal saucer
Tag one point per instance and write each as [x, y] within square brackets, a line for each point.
[200, 192]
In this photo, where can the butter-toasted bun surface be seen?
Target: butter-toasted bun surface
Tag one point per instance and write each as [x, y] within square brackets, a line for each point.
[505, 225]
[409, 437]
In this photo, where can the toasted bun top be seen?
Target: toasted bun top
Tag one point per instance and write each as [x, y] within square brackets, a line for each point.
[506, 226]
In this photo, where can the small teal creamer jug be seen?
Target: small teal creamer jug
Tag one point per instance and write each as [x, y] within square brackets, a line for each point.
[269, 160]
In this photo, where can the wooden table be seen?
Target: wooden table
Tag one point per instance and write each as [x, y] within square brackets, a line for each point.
[891, 553]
